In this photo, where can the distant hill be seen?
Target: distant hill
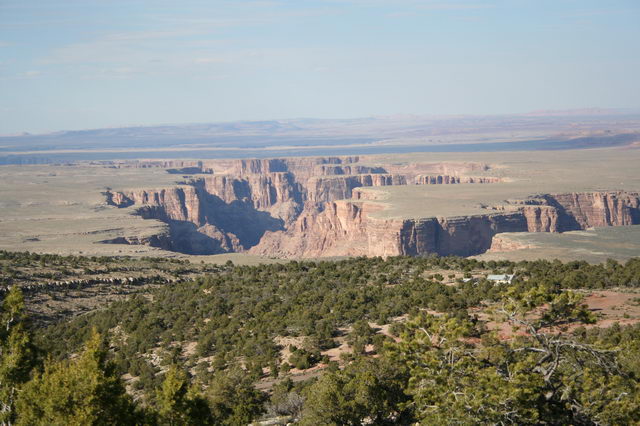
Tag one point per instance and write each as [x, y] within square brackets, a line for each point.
[308, 136]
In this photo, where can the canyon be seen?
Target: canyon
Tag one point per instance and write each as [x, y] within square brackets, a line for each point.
[321, 207]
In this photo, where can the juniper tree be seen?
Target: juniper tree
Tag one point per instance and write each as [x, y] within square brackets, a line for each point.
[83, 391]
[17, 354]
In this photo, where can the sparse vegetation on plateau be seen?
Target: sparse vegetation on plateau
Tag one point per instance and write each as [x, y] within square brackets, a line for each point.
[205, 348]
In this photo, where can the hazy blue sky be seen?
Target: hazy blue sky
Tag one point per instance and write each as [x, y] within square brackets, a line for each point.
[72, 64]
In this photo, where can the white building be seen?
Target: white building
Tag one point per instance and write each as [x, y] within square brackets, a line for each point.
[501, 279]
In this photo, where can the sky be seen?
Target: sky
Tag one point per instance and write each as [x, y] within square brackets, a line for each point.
[81, 64]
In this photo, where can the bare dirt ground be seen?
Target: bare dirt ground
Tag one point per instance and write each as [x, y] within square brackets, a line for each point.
[334, 354]
[609, 306]
[613, 306]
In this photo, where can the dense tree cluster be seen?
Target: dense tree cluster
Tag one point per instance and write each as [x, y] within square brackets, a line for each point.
[193, 351]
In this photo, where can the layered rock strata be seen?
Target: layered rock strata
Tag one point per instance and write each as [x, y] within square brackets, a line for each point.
[446, 179]
[308, 208]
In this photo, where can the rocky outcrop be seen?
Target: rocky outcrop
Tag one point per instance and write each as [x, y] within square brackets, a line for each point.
[594, 209]
[437, 179]
[201, 222]
[575, 211]
[333, 170]
[162, 241]
[325, 189]
[446, 179]
[501, 243]
[262, 190]
[178, 204]
[469, 235]
[541, 218]
[303, 168]
[347, 228]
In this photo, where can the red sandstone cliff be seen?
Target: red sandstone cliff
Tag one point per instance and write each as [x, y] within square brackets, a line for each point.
[324, 189]
[593, 209]
[574, 211]
[178, 203]
[541, 218]
[347, 228]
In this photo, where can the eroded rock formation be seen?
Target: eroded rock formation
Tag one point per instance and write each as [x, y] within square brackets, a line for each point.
[307, 207]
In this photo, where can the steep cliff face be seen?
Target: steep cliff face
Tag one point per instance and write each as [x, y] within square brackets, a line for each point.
[342, 228]
[311, 207]
[200, 222]
[333, 170]
[277, 193]
[575, 211]
[179, 203]
[465, 236]
[555, 213]
[325, 189]
[437, 179]
[303, 168]
[502, 243]
[593, 209]
[541, 218]
[346, 228]
[446, 179]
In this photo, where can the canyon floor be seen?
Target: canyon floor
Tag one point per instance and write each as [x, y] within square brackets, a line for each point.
[329, 206]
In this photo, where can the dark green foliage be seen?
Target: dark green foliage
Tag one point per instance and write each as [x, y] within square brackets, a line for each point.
[287, 399]
[234, 315]
[83, 391]
[541, 377]
[233, 399]
[17, 354]
[303, 359]
[361, 335]
[238, 312]
[181, 404]
[367, 391]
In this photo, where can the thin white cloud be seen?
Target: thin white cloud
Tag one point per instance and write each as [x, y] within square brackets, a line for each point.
[150, 35]
[208, 24]
[4, 75]
[117, 73]
[211, 60]
[418, 4]
[130, 48]
[187, 44]
[31, 73]
[264, 3]
[246, 19]
[455, 6]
